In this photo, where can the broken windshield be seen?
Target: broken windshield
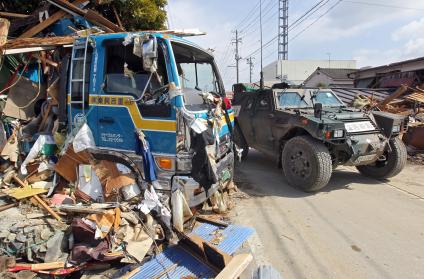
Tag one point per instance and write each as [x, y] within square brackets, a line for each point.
[124, 70]
[197, 74]
[306, 99]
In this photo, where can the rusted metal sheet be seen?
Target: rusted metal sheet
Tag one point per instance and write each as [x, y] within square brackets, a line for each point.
[415, 137]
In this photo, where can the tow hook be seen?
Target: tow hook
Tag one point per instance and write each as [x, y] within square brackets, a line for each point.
[382, 158]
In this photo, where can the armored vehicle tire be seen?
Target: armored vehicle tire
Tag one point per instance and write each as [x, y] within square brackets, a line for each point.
[393, 165]
[241, 142]
[306, 163]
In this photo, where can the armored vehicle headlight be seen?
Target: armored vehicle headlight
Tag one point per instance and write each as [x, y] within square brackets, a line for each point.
[396, 129]
[338, 133]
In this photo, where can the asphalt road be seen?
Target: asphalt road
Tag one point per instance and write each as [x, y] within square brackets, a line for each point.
[356, 227]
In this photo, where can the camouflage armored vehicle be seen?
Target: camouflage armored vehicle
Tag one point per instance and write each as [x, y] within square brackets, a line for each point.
[310, 132]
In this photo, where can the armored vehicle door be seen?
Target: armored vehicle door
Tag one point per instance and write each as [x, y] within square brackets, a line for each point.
[262, 120]
[244, 118]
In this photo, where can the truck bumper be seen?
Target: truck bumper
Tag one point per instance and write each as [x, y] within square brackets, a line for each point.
[366, 149]
[194, 193]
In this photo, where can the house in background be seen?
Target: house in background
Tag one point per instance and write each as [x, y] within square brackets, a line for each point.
[295, 72]
[408, 72]
[330, 77]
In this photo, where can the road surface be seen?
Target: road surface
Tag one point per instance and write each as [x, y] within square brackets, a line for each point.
[356, 227]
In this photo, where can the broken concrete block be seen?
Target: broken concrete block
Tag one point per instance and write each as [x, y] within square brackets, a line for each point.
[54, 247]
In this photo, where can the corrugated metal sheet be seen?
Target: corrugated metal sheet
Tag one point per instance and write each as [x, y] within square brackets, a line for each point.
[348, 94]
[187, 265]
[232, 238]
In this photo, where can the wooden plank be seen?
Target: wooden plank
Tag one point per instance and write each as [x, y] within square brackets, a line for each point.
[4, 31]
[44, 24]
[103, 22]
[40, 202]
[13, 15]
[7, 206]
[402, 89]
[38, 42]
[235, 267]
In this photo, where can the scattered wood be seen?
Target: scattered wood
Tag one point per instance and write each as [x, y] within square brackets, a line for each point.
[402, 89]
[4, 31]
[40, 202]
[39, 42]
[46, 23]
[211, 221]
[117, 17]
[37, 267]
[90, 15]
[13, 15]
[235, 267]
[7, 206]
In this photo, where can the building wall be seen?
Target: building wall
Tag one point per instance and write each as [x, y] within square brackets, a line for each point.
[296, 71]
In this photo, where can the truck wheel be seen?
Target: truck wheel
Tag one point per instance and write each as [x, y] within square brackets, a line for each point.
[241, 142]
[393, 165]
[306, 163]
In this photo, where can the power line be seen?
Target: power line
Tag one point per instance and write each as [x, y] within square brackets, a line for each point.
[321, 16]
[384, 5]
[308, 14]
[254, 9]
[266, 10]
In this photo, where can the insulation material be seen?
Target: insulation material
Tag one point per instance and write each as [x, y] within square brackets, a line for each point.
[22, 98]
[84, 139]
[41, 145]
[4, 31]
[180, 210]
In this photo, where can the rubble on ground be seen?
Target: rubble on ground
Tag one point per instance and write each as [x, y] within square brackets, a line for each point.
[407, 102]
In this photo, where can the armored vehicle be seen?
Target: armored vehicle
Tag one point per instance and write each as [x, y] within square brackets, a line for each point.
[309, 132]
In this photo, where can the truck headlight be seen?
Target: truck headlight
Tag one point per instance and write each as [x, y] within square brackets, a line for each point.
[338, 133]
[396, 129]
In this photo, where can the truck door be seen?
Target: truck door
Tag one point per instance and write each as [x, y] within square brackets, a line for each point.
[122, 106]
[261, 120]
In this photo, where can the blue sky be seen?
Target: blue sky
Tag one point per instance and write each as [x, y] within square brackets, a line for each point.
[356, 29]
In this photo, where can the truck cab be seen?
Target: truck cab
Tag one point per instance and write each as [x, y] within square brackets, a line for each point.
[152, 87]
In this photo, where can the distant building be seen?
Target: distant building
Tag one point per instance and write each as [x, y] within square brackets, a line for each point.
[297, 71]
[329, 77]
[409, 72]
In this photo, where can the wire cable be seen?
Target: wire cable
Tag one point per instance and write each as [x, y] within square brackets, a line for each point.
[316, 20]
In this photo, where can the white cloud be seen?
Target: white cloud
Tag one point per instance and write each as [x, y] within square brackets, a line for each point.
[413, 29]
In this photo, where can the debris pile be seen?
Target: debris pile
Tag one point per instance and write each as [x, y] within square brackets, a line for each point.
[407, 102]
[67, 207]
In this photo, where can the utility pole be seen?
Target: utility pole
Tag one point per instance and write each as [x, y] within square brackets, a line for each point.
[250, 63]
[237, 57]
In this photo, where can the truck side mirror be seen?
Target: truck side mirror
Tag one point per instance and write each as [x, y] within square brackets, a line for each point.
[150, 54]
[318, 110]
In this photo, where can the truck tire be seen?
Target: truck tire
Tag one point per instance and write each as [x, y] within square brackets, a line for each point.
[393, 165]
[241, 142]
[306, 163]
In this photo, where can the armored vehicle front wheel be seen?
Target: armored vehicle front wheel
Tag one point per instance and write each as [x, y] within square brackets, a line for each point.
[391, 164]
[306, 163]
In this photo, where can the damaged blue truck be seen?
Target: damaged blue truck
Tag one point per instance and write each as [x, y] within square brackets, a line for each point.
[157, 88]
